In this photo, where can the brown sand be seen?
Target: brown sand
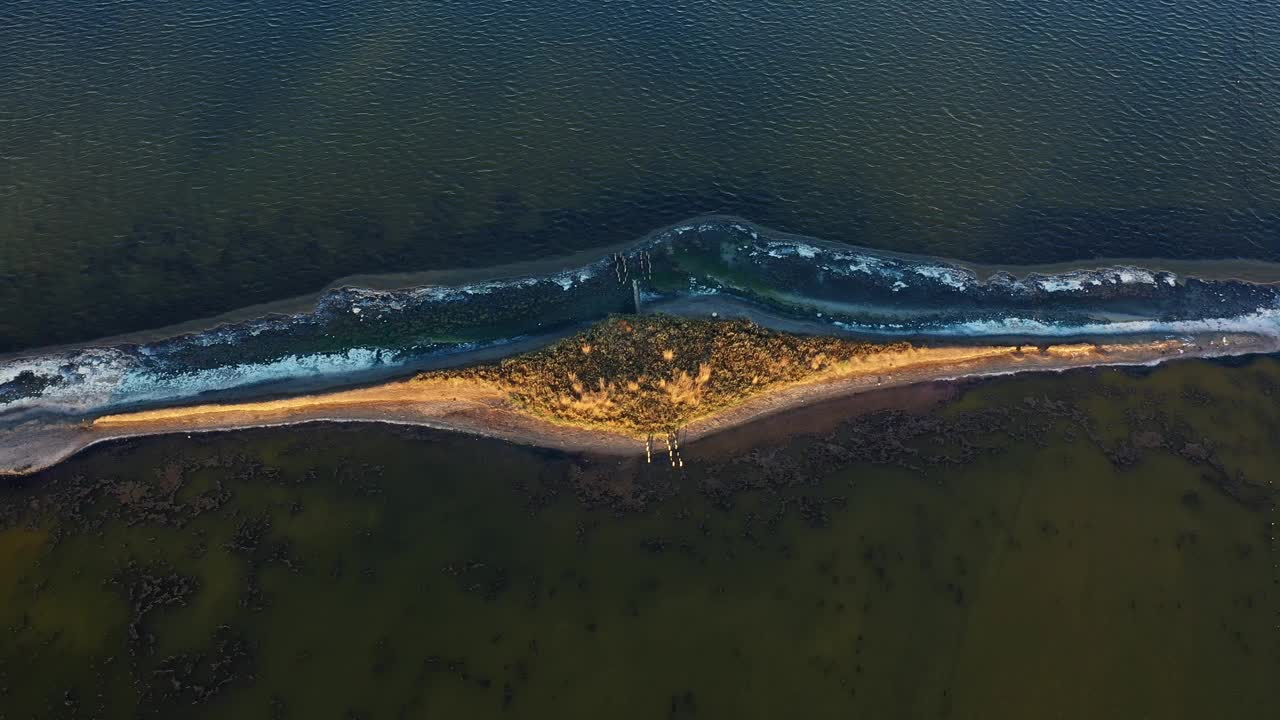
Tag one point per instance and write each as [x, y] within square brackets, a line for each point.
[483, 408]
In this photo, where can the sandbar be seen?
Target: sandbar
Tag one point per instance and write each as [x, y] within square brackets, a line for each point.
[484, 408]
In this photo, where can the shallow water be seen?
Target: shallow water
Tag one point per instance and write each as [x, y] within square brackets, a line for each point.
[1094, 544]
[700, 267]
[162, 164]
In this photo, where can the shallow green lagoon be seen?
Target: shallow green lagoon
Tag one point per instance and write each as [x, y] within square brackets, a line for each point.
[1088, 545]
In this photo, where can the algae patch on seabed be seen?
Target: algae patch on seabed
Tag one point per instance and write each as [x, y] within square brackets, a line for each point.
[1096, 542]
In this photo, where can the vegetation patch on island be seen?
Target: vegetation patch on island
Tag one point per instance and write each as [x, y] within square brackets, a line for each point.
[652, 374]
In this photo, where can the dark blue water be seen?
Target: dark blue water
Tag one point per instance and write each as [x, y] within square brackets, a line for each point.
[162, 162]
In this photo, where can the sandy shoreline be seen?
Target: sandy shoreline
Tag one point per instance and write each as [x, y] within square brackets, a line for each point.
[485, 409]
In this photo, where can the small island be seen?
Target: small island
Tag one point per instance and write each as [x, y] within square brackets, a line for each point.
[632, 384]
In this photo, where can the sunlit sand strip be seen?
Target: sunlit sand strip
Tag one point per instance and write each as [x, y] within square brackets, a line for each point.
[467, 406]
[486, 408]
[429, 396]
[920, 365]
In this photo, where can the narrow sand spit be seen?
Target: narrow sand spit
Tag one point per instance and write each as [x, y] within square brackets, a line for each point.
[485, 408]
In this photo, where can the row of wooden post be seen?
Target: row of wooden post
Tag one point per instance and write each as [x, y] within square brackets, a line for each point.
[673, 449]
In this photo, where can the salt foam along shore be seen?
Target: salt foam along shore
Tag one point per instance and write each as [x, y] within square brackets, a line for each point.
[356, 335]
[483, 409]
[1237, 269]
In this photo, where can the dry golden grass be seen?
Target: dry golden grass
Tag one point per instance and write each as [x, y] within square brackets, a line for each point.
[654, 374]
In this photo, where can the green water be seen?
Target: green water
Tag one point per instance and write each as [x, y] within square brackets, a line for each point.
[1098, 544]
